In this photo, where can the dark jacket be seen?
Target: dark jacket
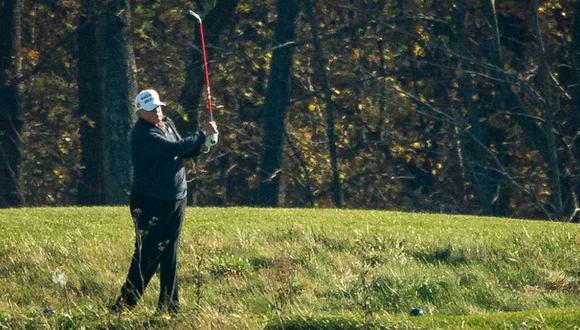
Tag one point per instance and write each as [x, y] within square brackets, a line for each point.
[158, 159]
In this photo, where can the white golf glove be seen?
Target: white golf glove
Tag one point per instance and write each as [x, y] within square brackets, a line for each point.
[211, 140]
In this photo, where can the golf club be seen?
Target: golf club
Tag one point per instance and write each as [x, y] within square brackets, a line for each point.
[191, 15]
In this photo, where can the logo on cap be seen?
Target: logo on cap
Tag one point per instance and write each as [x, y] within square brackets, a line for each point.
[147, 100]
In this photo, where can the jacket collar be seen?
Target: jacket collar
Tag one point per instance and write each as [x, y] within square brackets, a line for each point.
[145, 122]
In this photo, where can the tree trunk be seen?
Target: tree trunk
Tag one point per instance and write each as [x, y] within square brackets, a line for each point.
[573, 124]
[107, 86]
[548, 108]
[322, 80]
[476, 130]
[533, 133]
[10, 100]
[276, 101]
[119, 89]
[91, 187]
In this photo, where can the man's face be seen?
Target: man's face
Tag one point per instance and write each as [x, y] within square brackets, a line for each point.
[153, 116]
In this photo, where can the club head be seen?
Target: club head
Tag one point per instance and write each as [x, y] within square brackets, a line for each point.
[191, 15]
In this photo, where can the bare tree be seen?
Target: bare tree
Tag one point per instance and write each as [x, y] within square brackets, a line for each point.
[10, 98]
[548, 106]
[276, 102]
[322, 80]
[540, 136]
[574, 121]
[476, 131]
[91, 188]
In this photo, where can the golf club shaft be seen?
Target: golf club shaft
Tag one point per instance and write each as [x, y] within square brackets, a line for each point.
[206, 71]
[191, 15]
[212, 139]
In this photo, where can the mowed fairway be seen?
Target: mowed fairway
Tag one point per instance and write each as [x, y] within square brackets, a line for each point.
[295, 268]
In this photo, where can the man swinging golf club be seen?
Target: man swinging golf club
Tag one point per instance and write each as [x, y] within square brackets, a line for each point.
[158, 199]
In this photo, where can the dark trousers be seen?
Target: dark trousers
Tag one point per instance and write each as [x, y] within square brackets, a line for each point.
[157, 228]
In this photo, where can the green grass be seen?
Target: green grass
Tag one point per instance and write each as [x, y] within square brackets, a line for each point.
[294, 268]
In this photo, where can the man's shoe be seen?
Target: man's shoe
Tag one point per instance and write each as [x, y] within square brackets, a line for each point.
[119, 307]
[170, 308]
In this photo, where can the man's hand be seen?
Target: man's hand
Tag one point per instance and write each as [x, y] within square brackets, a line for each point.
[209, 128]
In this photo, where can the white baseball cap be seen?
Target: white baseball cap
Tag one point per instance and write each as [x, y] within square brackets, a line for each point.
[147, 100]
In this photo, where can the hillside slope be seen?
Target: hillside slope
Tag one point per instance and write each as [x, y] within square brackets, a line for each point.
[245, 268]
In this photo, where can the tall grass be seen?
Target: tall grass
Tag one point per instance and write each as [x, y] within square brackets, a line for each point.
[245, 268]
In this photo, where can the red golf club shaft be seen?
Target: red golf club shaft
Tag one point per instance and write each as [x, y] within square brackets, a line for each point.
[206, 70]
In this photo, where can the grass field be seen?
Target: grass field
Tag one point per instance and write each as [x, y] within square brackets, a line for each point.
[295, 269]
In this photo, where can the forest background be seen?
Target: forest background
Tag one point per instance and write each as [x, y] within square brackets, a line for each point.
[439, 106]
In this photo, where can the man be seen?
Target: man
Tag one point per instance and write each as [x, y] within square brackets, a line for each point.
[157, 199]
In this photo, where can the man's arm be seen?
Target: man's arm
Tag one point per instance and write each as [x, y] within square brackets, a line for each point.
[155, 145]
[197, 151]
[206, 129]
